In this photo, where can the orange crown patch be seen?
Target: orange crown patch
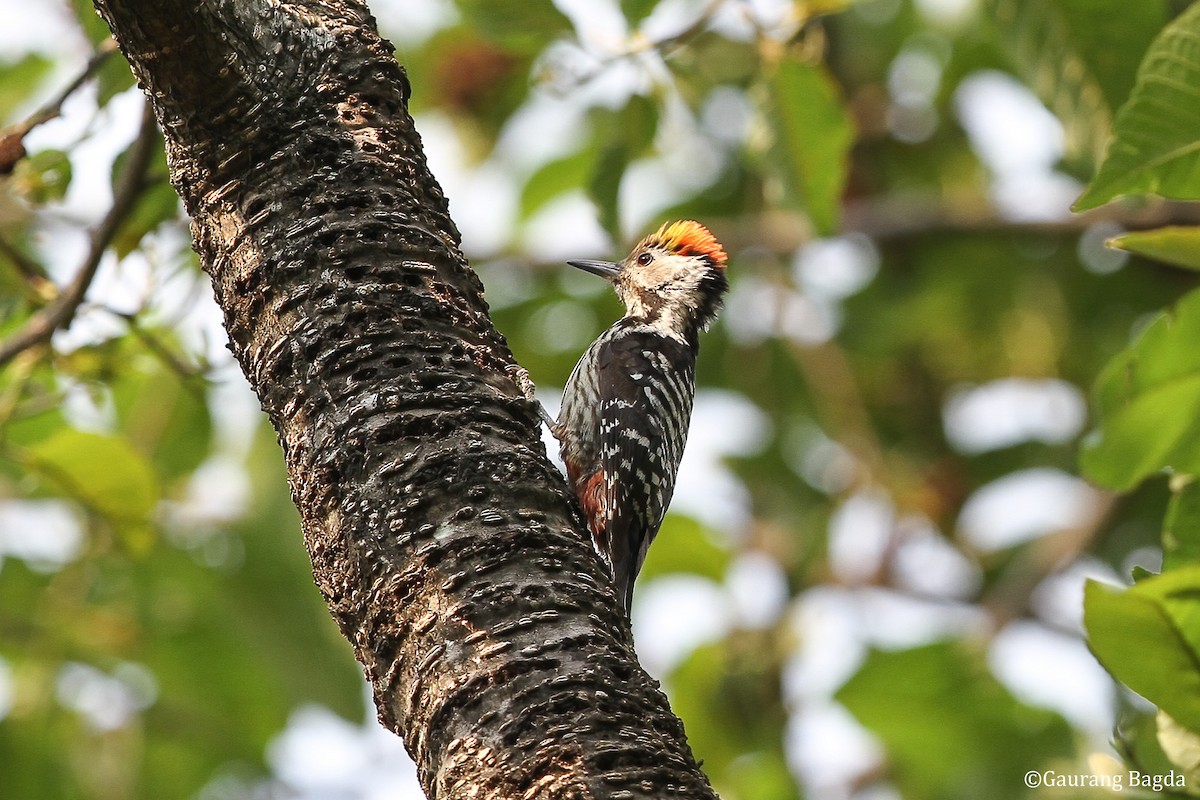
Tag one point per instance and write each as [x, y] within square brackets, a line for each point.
[689, 238]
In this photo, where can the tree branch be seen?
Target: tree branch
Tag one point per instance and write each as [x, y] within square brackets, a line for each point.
[441, 537]
[59, 314]
[12, 148]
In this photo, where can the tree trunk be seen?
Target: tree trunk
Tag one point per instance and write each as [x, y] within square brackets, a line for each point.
[439, 533]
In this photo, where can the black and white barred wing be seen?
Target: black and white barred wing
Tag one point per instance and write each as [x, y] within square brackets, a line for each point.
[646, 387]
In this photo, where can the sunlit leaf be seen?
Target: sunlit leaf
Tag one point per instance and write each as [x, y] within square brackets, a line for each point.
[1178, 592]
[1155, 149]
[1147, 400]
[44, 176]
[1181, 530]
[104, 473]
[1180, 745]
[637, 10]
[1174, 244]
[19, 80]
[761, 774]
[554, 179]
[814, 136]
[1139, 642]
[165, 416]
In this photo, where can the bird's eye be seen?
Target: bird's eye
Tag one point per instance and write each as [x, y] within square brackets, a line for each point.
[644, 259]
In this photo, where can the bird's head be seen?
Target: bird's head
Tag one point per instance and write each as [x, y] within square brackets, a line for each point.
[674, 278]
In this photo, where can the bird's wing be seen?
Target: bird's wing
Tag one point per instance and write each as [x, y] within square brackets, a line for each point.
[646, 389]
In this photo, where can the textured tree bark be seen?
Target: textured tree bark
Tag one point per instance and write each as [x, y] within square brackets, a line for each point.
[440, 535]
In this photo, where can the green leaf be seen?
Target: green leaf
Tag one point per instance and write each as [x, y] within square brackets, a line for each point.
[759, 775]
[605, 187]
[1180, 745]
[1079, 56]
[813, 137]
[621, 136]
[1178, 591]
[104, 473]
[732, 705]
[637, 10]
[113, 77]
[1181, 530]
[44, 176]
[684, 546]
[19, 80]
[950, 728]
[1140, 643]
[710, 60]
[524, 27]
[554, 179]
[94, 27]
[1147, 400]
[1174, 244]
[1156, 149]
[166, 418]
[1111, 38]
[157, 204]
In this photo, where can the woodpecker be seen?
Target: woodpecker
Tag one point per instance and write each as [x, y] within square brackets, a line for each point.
[627, 405]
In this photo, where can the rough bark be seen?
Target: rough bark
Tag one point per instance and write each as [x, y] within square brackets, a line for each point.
[439, 533]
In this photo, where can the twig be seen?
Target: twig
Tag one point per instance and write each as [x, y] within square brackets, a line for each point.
[53, 107]
[11, 394]
[59, 314]
[173, 362]
[37, 283]
[641, 45]
[12, 145]
[898, 217]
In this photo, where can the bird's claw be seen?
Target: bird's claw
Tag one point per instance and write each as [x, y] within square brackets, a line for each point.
[520, 377]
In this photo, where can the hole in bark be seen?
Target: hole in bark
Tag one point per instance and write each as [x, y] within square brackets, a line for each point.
[249, 283]
[255, 206]
[357, 272]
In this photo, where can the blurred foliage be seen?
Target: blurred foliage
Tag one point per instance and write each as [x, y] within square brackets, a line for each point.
[158, 623]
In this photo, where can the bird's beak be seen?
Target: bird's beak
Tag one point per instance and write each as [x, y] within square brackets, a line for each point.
[605, 269]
